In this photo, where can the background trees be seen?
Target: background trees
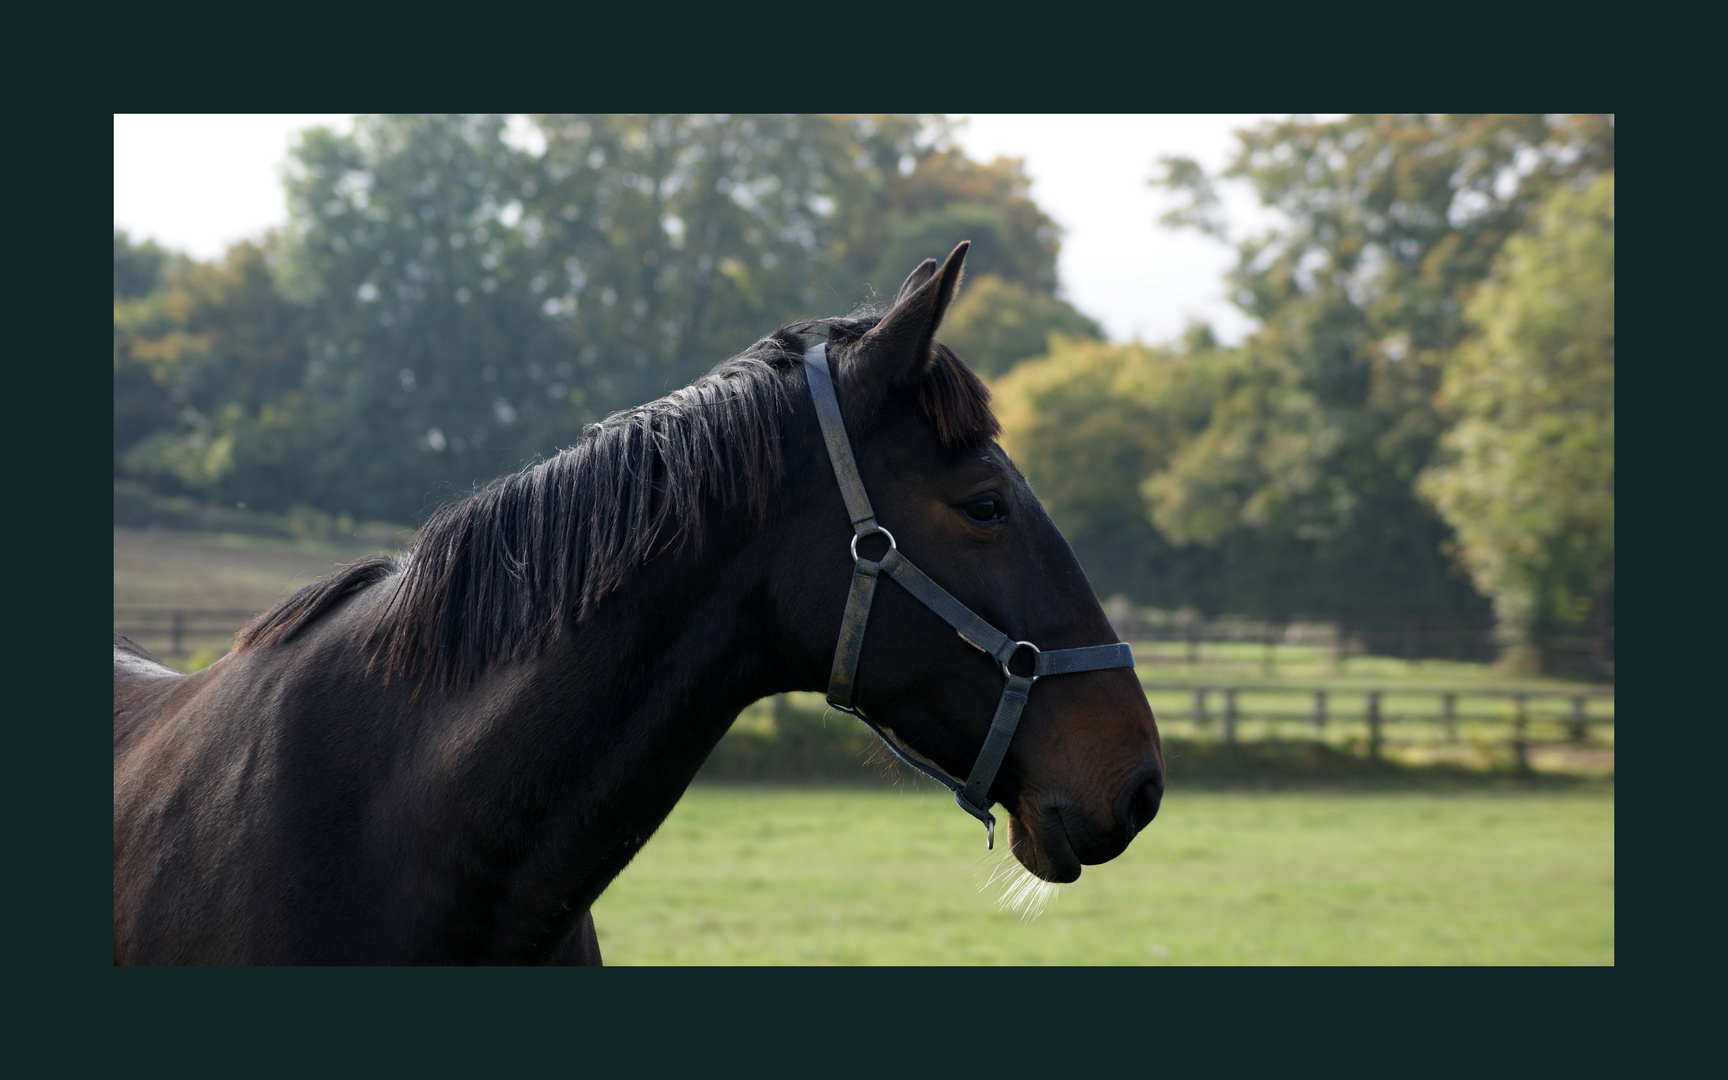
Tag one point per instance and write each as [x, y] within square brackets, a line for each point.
[1386, 227]
[1421, 426]
[450, 301]
[1526, 477]
[1087, 424]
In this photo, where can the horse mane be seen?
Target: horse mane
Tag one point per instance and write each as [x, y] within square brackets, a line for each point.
[307, 604]
[498, 575]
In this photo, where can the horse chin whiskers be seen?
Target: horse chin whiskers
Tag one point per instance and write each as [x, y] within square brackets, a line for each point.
[1023, 892]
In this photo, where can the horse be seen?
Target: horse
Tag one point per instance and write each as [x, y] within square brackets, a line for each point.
[446, 757]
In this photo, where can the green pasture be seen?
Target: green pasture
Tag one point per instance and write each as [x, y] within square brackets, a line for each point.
[836, 876]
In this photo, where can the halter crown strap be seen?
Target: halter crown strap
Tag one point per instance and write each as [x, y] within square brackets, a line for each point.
[973, 796]
[839, 446]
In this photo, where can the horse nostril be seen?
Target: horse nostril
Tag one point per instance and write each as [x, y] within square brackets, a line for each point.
[1143, 804]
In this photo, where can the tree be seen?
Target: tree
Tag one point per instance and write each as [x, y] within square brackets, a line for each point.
[937, 196]
[1086, 424]
[139, 268]
[940, 197]
[1527, 480]
[221, 343]
[663, 244]
[996, 324]
[429, 366]
[450, 301]
[475, 303]
[143, 402]
[1387, 224]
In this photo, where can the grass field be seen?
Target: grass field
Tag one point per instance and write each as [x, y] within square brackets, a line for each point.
[789, 876]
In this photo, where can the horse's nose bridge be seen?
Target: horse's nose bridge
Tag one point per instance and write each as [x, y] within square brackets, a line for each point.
[1092, 733]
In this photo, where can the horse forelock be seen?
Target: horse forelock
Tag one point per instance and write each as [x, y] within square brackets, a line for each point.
[957, 402]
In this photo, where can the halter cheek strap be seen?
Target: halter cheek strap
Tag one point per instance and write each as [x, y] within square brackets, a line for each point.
[972, 795]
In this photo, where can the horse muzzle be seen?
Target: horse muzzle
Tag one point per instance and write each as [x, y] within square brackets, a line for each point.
[1053, 837]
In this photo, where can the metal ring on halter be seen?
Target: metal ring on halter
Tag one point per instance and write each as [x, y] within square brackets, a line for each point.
[1035, 651]
[892, 546]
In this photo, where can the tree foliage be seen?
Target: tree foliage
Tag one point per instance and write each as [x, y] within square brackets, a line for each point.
[1386, 224]
[457, 295]
[198, 347]
[1086, 424]
[452, 299]
[664, 243]
[996, 323]
[1527, 480]
[141, 400]
[942, 194]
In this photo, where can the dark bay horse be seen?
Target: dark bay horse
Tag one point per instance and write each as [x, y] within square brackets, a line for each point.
[446, 758]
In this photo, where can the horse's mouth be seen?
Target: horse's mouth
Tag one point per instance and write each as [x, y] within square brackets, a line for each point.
[1045, 851]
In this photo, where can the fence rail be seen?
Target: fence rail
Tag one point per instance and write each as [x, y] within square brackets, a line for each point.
[1229, 705]
[1575, 714]
[178, 625]
[1407, 637]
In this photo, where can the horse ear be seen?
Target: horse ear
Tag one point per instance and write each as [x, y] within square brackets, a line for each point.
[925, 271]
[902, 347]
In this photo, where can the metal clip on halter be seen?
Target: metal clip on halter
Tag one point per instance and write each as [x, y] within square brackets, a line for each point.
[972, 796]
[892, 546]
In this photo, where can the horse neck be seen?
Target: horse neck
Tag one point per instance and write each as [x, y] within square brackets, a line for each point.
[582, 752]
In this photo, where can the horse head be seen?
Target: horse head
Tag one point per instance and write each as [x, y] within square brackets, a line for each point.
[1084, 770]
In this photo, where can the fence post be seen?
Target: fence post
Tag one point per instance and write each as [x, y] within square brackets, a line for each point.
[176, 631]
[1520, 733]
[1199, 707]
[1319, 714]
[1193, 644]
[1374, 725]
[1449, 716]
[1230, 717]
[1580, 730]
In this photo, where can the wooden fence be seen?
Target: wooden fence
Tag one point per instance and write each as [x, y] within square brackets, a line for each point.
[175, 630]
[1574, 711]
[1590, 655]
[1230, 705]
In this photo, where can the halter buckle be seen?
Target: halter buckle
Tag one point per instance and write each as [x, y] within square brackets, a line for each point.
[892, 546]
[1018, 645]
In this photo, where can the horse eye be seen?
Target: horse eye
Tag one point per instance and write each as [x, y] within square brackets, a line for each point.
[989, 508]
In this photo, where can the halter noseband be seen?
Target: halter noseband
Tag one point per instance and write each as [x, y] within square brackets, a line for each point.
[973, 795]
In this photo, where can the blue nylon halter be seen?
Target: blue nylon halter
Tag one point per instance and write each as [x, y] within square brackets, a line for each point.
[972, 795]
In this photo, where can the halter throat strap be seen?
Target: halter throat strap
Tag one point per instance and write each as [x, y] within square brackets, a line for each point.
[973, 794]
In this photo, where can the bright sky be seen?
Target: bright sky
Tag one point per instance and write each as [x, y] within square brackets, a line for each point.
[199, 183]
